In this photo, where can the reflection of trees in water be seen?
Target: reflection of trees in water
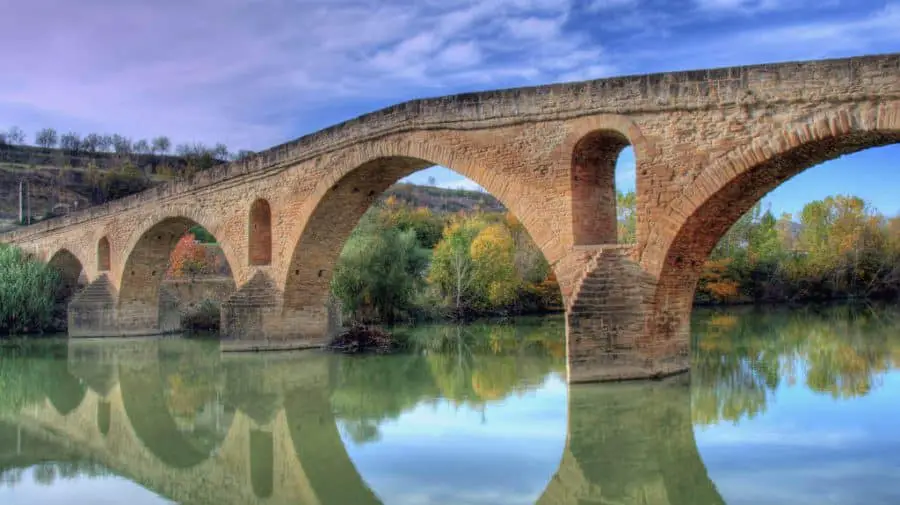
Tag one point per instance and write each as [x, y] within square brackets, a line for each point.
[31, 372]
[468, 366]
[742, 356]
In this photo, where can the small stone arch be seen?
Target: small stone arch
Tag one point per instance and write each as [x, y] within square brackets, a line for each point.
[260, 233]
[71, 272]
[103, 255]
[589, 154]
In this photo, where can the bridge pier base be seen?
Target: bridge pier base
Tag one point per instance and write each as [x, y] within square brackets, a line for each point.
[254, 319]
[92, 312]
[615, 331]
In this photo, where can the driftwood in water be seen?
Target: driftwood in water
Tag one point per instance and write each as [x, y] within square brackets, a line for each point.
[362, 338]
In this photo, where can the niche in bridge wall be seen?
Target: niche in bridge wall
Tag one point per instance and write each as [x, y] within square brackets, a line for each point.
[602, 212]
[103, 255]
[260, 240]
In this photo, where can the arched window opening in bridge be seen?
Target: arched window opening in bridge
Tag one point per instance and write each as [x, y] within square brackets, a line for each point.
[176, 277]
[103, 255]
[603, 189]
[260, 242]
[400, 244]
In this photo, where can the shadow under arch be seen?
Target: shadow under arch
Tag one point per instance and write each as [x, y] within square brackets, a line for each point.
[146, 261]
[141, 379]
[71, 273]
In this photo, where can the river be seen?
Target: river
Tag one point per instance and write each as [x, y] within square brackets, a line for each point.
[798, 406]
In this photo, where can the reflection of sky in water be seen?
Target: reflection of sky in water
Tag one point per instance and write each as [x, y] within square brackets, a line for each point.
[441, 454]
[810, 449]
[108, 490]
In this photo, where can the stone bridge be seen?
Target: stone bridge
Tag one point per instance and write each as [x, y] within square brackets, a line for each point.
[708, 144]
[281, 445]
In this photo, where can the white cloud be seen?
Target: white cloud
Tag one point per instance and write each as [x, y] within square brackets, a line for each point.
[247, 72]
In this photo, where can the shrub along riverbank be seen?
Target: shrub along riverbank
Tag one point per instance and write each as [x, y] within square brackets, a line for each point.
[27, 292]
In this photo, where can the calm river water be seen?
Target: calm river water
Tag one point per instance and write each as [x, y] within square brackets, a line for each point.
[781, 407]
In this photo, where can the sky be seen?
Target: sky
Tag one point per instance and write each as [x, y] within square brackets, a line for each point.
[256, 73]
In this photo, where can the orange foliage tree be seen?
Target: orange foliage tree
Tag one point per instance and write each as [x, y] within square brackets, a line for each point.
[190, 258]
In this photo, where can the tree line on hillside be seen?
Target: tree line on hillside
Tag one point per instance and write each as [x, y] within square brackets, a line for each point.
[96, 143]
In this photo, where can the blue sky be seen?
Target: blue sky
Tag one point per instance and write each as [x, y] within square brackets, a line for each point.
[254, 73]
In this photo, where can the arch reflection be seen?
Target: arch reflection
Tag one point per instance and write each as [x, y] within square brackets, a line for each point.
[279, 438]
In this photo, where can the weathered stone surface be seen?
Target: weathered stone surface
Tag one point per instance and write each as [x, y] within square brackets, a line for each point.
[708, 145]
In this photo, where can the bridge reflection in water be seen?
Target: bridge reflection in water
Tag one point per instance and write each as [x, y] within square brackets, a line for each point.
[201, 429]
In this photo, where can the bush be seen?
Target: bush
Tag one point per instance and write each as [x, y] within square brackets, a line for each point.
[204, 317]
[27, 292]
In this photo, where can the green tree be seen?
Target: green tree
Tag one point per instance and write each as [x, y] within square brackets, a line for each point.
[379, 271]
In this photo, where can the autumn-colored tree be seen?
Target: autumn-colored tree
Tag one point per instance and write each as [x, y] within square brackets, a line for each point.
[188, 259]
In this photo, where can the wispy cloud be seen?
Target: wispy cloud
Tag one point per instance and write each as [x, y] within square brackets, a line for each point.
[253, 73]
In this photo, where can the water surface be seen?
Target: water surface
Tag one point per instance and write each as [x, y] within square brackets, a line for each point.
[781, 406]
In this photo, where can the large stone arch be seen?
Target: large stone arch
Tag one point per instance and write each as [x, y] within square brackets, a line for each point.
[144, 264]
[365, 171]
[732, 184]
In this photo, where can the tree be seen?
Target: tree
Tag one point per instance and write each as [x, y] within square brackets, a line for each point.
[106, 143]
[189, 258]
[91, 142]
[452, 268]
[379, 271]
[626, 216]
[121, 145]
[46, 138]
[141, 147]
[493, 254]
[161, 145]
[242, 154]
[70, 142]
[15, 136]
[220, 152]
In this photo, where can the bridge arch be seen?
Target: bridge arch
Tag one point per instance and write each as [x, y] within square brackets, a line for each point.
[260, 233]
[730, 186]
[71, 272]
[589, 154]
[146, 259]
[339, 202]
[103, 254]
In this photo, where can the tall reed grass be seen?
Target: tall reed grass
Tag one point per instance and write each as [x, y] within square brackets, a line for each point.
[27, 291]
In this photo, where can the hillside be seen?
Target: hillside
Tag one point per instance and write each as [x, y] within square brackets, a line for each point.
[61, 182]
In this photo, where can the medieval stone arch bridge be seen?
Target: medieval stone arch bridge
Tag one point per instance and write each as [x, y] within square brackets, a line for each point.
[708, 145]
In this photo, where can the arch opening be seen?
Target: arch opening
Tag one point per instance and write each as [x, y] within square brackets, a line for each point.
[103, 255]
[260, 233]
[699, 264]
[176, 277]
[72, 276]
[383, 248]
[603, 193]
